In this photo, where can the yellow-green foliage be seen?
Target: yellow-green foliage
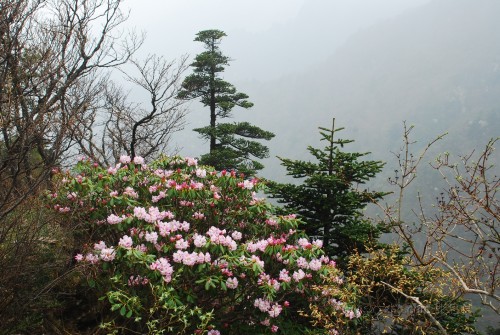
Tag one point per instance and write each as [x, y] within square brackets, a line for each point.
[393, 297]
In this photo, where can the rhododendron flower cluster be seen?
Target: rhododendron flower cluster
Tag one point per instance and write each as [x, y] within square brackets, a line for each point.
[163, 266]
[175, 237]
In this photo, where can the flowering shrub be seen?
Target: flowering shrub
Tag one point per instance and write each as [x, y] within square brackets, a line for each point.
[180, 248]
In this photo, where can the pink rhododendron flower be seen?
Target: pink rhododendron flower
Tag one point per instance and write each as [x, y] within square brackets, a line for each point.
[232, 283]
[262, 304]
[138, 160]
[163, 266]
[64, 209]
[203, 258]
[113, 170]
[91, 258]
[201, 173]
[272, 222]
[318, 243]
[99, 246]
[185, 226]
[303, 242]
[208, 258]
[151, 237]
[196, 186]
[199, 240]
[125, 159]
[113, 193]
[167, 215]
[256, 259]
[72, 196]
[259, 245]
[125, 242]
[236, 235]
[256, 200]
[181, 244]
[156, 198]
[217, 237]
[198, 216]
[274, 329]
[298, 275]
[352, 314]
[129, 191]
[191, 161]
[324, 259]
[284, 276]
[315, 264]
[246, 184]
[114, 219]
[302, 263]
[79, 257]
[142, 248]
[190, 259]
[140, 213]
[275, 311]
[107, 254]
[265, 279]
[213, 332]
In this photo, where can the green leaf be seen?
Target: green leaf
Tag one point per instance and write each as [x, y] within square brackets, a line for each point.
[123, 310]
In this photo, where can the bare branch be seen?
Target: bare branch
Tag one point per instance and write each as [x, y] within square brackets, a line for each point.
[421, 305]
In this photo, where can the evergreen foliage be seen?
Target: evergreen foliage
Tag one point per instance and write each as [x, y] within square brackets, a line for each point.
[232, 145]
[329, 198]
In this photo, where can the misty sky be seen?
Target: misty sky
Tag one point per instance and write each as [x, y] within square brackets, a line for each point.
[266, 38]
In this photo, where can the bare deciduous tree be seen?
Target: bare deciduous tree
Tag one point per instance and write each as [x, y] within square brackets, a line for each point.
[52, 54]
[54, 59]
[467, 232]
[117, 126]
[461, 235]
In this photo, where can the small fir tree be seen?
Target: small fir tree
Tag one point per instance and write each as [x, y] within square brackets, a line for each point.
[232, 145]
[330, 199]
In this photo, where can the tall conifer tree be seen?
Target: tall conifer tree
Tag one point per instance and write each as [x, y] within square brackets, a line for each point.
[330, 199]
[232, 145]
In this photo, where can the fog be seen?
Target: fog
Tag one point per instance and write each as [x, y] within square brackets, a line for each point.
[371, 64]
[266, 39]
